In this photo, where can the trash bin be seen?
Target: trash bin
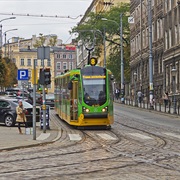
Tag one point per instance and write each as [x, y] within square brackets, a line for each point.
[47, 117]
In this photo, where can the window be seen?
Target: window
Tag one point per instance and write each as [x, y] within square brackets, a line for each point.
[58, 56]
[14, 60]
[70, 65]
[49, 62]
[64, 65]
[70, 56]
[64, 56]
[4, 104]
[58, 66]
[36, 64]
[170, 38]
[22, 62]
[42, 62]
[29, 62]
[166, 40]
[176, 34]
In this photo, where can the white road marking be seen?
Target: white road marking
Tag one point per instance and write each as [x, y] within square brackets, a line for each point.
[74, 137]
[43, 136]
[106, 136]
[140, 136]
[173, 135]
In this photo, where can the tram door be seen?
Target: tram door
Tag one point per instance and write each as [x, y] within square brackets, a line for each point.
[74, 107]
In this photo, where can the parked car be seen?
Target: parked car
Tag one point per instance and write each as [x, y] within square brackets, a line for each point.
[8, 111]
[50, 100]
[16, 91]
[38, 98]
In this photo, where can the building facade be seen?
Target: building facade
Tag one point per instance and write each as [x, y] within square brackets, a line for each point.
[23, 54]
[165, 37]
[64, 59]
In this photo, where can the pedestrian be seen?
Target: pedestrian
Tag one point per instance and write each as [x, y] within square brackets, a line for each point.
[166, 98]
[21, 118]
[117, 93]
[140, 96]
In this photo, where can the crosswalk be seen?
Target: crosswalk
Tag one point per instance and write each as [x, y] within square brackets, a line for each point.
[111, 137]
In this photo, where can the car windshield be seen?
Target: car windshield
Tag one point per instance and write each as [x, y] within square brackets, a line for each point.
[49, 96]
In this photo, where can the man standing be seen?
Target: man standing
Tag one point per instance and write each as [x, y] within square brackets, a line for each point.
[21, 118]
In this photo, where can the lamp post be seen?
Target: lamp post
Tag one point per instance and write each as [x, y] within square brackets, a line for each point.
[173, 72]
[5, 37]
[121, 55]
[1, 29]
[135, 94]
[151, 88]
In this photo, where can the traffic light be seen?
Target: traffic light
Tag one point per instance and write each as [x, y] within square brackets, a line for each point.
[45, 76]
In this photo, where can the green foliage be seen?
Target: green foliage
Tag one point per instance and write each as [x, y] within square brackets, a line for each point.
[94, 27]
[8, 73]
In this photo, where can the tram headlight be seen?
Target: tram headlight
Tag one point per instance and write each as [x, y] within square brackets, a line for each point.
[85, 110]
[105, 109]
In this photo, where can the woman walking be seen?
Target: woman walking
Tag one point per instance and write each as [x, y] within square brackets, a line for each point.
[21, 118]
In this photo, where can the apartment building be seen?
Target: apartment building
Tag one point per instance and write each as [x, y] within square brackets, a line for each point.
[165, 42]
[64, 59]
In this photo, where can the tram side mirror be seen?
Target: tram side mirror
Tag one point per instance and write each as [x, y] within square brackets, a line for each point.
[70, 85]
[112, 77]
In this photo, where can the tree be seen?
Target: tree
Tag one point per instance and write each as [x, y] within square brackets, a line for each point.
[95, 27]
[41, 41]
[8, 73]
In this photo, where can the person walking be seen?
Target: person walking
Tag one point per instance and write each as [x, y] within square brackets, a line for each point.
[166, 98]
[140, 96]
[21, 118]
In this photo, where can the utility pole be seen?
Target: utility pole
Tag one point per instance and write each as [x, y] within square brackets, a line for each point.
[151, 88]
[122, 60]
[104, 41]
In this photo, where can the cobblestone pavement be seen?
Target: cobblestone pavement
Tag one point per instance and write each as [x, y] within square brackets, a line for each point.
[131, 150]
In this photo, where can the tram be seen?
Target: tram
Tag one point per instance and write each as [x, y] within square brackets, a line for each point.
[84, 97]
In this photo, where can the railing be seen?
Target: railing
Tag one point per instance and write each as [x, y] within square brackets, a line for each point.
[157, 106]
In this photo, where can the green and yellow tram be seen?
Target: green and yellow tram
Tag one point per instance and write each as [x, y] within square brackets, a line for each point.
[84, 97]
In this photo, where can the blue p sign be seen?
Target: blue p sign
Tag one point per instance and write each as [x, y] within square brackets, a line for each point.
[23, 74]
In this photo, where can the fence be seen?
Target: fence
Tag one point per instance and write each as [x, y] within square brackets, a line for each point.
[157, 106]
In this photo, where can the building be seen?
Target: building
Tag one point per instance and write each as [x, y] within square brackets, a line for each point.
[165, 46]
[64, 59]
[23, 54]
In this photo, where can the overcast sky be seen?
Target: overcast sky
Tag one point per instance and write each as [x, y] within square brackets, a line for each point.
[28, 26]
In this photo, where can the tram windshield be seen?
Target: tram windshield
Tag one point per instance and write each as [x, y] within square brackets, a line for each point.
[94, 91]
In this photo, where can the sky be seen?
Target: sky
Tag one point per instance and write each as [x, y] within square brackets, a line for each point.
[27, 26]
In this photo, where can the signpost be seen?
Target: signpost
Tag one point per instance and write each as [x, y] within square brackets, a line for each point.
[43, 53]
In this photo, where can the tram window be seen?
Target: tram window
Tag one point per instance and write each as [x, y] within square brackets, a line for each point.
[94, 91]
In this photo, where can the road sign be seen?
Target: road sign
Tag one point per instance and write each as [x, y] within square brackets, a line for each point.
[23, 74]
[43, 52]
[130, 20]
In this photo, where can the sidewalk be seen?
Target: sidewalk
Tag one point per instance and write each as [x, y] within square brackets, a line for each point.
[11, 139]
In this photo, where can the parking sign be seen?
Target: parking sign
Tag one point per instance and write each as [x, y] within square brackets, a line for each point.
[23, 74]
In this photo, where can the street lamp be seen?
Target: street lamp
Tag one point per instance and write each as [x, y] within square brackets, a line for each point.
[1, 29]
[5, 37]
[173, 73]
[151, 88]
[121, 48]
[135, 79]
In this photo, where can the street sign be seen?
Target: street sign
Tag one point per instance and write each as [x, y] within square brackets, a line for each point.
[43, 52]
[23, 74]
[130, 20]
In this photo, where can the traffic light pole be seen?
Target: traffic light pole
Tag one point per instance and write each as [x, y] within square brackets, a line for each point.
[44, 106]
[34, 103]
